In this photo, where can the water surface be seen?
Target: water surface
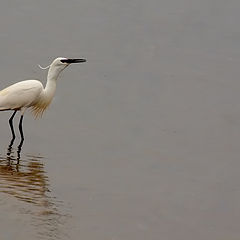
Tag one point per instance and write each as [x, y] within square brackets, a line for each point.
[142, 141]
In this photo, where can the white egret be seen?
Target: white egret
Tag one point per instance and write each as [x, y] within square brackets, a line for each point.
[32, 94]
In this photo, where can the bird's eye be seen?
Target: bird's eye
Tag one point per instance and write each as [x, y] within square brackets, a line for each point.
[64, 60]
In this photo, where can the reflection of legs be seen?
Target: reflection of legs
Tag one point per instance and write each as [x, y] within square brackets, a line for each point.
[19, 150]
[20, 128]
[11, 124]
[9, 151]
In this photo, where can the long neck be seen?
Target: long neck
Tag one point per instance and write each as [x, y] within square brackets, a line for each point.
[50, 87]
[48, 92]
[53, 72]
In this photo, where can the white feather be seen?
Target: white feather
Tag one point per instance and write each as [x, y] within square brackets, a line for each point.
[20, 95]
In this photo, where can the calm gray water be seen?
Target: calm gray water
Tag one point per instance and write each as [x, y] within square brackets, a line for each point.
[142, 141]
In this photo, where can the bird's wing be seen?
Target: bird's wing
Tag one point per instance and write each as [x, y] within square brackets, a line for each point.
[21, 94]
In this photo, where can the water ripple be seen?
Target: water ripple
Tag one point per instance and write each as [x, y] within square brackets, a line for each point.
[25, 179]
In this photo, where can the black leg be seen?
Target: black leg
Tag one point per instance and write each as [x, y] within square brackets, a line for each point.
[11, 124]
[20, 128]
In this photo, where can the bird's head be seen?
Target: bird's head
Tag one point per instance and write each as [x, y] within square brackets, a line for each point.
[61, 63]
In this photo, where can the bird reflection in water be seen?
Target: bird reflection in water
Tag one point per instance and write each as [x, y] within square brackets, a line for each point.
[24, 179]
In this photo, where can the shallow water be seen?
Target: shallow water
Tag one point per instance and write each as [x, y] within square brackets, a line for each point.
[142, 141]
[26, 197]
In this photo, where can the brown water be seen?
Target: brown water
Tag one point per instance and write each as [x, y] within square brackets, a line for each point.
[142, 141]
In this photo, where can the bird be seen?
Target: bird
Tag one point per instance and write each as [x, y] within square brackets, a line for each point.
[30, 94]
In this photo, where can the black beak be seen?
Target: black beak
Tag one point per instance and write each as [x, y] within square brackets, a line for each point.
[73, 60]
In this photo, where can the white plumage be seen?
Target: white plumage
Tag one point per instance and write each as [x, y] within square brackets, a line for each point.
[32, 94]
[20, 95]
